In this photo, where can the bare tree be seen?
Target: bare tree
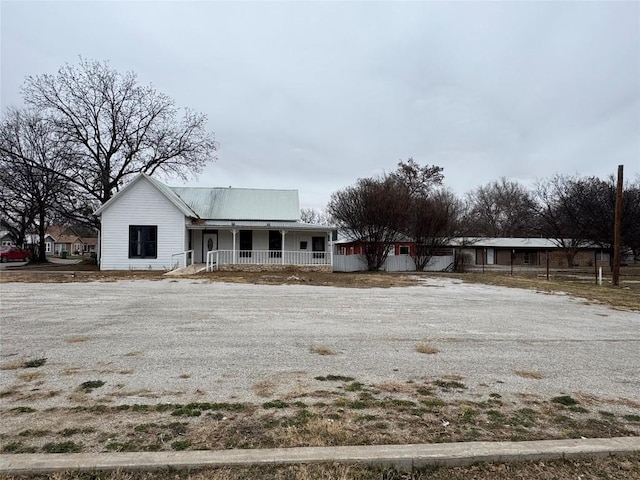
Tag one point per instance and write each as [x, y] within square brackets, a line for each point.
[117, 128]
[313, 216]
[434, 220]
[32, 174]
[561, 214]
[502, 208]
[373, 211]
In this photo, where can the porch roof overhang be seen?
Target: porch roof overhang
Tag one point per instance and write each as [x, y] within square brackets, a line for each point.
[258, 225]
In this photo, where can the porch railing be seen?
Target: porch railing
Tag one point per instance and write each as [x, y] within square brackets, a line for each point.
[181, 259]
[265, 257]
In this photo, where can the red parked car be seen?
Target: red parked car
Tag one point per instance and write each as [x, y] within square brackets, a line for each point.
[10, 253]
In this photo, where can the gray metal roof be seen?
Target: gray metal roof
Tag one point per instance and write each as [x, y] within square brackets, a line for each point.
[240, 203]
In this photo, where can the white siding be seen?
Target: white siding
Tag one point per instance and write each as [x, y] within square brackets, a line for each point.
[142, 204]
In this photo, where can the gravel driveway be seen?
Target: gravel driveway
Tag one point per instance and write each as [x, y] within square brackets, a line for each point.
[191, 340]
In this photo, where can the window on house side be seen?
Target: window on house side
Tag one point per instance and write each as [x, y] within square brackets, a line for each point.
[404, 250]
[143, 241]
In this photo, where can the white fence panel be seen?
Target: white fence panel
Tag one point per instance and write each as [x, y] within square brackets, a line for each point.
[439, 263]
[399, 263]
[349, 263]
[396, 263]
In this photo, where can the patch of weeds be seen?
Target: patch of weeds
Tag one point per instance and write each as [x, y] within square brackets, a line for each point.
[145, 427]
[425, 391]
[380, 426]
[164, 407]
[354, 387]
[524, 417]
[34, 433]
[62, 447]
[357, 404]
[302, 417]
[365, 418]
[495, 395]
[433, 403]
[275, 404]
[450, 384]
[18, 447]
[565, 400]
[335, 378]
[578, 409]
[22, 410]
[632, 418]
[186, 412]
[90, 385]
[426, 349]
[468, 415]
[139, 408]
[181, 444]
[604, 413]
[322, 350]
[495, 415]
[35, 363]
[7, 393]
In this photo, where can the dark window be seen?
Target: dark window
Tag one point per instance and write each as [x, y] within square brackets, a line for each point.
[404, 250]
[143, 241]
[275, 244]
[317, 245]
[246, 243]
[303, 244]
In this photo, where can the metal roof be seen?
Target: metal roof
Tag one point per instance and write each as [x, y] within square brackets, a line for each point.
[257, 225]
[240, 203]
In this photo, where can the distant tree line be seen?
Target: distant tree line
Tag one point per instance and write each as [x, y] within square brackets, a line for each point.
[412, 204]
[83, 133]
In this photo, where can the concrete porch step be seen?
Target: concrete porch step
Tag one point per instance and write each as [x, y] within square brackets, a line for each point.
[189, 270]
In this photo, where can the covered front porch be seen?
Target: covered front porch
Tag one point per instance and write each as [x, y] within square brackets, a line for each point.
[219, 246]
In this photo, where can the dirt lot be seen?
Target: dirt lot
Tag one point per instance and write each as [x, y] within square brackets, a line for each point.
[93, 363]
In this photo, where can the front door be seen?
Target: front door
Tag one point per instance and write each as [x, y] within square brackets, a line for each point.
[490, 256]
[209, 244]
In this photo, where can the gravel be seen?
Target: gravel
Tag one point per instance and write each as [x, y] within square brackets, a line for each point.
[190, 340]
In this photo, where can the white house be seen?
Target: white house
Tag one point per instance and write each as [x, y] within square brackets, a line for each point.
[149, 225]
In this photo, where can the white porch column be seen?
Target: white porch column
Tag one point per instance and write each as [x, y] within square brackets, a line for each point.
[233, 232]
[330, 243]
[283, 233]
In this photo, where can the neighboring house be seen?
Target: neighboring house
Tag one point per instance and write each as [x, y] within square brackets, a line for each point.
[149, 225]
[60, 239]
[6, 238]
[477, 251]
[526, 252]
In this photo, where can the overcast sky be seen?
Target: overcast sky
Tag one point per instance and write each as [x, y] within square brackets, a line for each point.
[314, 95]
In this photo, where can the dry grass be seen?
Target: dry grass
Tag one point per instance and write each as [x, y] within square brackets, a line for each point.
[30, 376]
[77, 339]
[264, 388]
[321, 350]
[613, 468]
[12, 365]
[576, 283]
[426, 349]
[133, 354]
[528, 374]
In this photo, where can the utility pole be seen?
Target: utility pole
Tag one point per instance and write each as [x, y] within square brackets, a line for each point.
[617, 231]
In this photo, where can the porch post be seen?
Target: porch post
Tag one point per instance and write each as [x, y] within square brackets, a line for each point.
[283, 233]
[330, 243]
[233, 232]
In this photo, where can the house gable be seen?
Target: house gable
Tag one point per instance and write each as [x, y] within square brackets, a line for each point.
[141, 204]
